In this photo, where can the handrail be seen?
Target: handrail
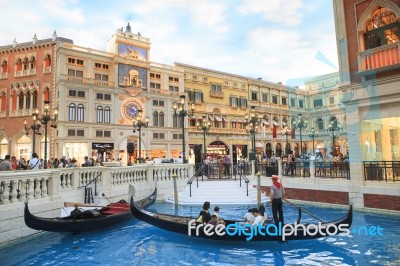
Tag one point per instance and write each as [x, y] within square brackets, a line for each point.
[246, 180]
[196, 174]
[95, 183]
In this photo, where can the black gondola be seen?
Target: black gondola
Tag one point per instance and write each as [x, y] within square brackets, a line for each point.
[244, 232]
[111, 215]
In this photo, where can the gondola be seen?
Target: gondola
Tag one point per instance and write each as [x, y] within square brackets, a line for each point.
[108, 216]
[239, 231]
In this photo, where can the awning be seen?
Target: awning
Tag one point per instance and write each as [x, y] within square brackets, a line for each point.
[265, 122]
[211, 117]
[275, 123]
[284, 124]
[218, 118]
[233, 120]
[224, 118]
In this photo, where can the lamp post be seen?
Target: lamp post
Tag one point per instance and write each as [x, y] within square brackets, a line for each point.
[286, 132]
[35, 127]
[137, 125]
[179, 111]
[334, 133]
[45, 119]
[253, 121]
[204, 126]
[312, 134]
[301, 123]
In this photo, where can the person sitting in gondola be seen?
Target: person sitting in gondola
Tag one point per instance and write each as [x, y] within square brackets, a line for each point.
[259, 220]
[204, 216]
[277, 193]
[249, 217]
[214, 220]
[216, 213]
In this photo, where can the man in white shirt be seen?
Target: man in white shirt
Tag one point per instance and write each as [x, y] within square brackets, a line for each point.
[34, 163]
[259, 220]
[249, 217]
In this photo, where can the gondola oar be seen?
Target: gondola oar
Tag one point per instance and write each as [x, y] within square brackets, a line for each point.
[309, 213]
[104, 195]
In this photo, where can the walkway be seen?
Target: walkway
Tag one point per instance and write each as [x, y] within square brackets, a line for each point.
[218, 192]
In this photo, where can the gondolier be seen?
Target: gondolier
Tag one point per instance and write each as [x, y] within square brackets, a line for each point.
[276, 195]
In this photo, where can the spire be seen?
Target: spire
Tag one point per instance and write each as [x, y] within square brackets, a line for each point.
[35, 39]
[54, 35]
[15, 42]
[128, 28]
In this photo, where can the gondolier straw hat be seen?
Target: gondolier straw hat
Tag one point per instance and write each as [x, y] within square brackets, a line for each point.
[274, 177]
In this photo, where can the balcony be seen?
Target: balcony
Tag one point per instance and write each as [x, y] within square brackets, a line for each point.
[47, 70]
[87, 80]
[379, 59]
[3, 75]
[217, 94]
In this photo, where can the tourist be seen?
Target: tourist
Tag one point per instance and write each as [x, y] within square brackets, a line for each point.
[5, 165]
[258, 219]
[216, 213]
[227, 165]
[34, 163]
[249, 217]
[290, 161]
[22, 164]
[261, 211]
[214, 220]
[204, 216]
[14, 163]
[277, 192]
[73, 163]
[87, 162]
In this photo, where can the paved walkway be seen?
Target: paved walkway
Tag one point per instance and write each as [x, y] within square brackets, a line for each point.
[218, 192]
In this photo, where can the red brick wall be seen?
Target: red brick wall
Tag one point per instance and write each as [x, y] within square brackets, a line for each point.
[334, 197]
[382, 202]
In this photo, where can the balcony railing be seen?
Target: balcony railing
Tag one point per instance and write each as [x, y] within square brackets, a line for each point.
[46, 70]
[382, 171]
[4, 75]
[87, 80]
[217, 94]
[379, 57]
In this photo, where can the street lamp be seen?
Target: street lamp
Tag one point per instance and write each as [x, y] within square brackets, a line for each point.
[286, 132]
[35, 127]
[138, 124]
[300, 124]
[45, 119]
[204, 126]
[253, 121]
[334, 133]
[312, 134]
[179, 111]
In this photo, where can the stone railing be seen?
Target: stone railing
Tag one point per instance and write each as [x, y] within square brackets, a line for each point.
[66, 184]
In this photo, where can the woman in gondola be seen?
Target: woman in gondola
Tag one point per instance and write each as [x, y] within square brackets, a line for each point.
[204, 216]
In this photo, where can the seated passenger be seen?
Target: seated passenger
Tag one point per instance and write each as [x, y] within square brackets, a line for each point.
[259, 220]
[204, 216]
[216, 213]
[214, 220]
[261, 211]
[249, 217]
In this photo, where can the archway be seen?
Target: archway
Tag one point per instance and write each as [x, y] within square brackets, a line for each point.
[24, 147]
[268, 150]
[278, 150]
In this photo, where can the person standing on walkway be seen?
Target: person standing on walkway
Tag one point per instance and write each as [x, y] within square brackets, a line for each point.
[5, 165]
[277, 193]
[34, 163]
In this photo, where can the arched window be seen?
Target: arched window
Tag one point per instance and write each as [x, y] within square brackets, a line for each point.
[175, 122]
[3, 103]
[28, 101]
[161, 119]
[19, 64]
[20, 100]
[155, 119]
[99, 114]
[80, 113]
[320, 124]
[4, 67]
[107, 115]
[382, 29]
[72, 112]
[47, 60]
[32, 64]
[46, 94]
[334, 120]
[25, 64]
[34, 99]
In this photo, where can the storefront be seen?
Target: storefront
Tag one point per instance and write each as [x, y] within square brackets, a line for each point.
[217, 149]
[238, 151]
[103, 151]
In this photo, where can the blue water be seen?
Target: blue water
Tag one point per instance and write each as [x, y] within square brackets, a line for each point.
[137, 243]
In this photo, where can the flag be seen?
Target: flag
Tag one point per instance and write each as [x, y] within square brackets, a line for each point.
[293, 133]
[274, 132]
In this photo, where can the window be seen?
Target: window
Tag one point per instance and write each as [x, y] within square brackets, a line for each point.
[99, 114]
[71, 112]
[301, 103]
[265, 97]
[174, 88]
[71, 132]
[226, 83]
[81, 94]
[176, 122]
[234, 101]
[205, 79]
[20, 101]
[4, 66]
[274, 99]
[103, 96]
[75, 73]
[71, 60]
[72, 93]
[176, 136]
[32, 64]
[161, 119]
[173, 79]
[243, 103]
[47, 60]
[107, 134]
[99, 133]
[99, 96]
[107, 97]
[382, 29]
[155, 75]
[80, 113]
[320, 124]
[101, 77]
[216, 88]
[35, 98]
[158, 103]
[25, 64]
[331, 100]
[107, 115]
[28, 101]
[155, 119]
[97, 65]
[235, 85]
[158, 135]
[80, 132]
[317, 103]
[284, 101]
[293, 102]
[254, 95]
[105, 66]
[79, 62]
[198, 97]
[194, 77]
[154, 85]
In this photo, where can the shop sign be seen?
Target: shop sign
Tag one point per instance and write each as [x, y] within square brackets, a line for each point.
[96, 146]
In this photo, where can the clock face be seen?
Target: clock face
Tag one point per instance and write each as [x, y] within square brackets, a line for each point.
[130, 108]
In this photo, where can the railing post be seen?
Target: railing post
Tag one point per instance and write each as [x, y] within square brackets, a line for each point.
[258, 189]
[175, 190]
[253, 168]
[312, 170]
[280, 167]
[54, 183]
